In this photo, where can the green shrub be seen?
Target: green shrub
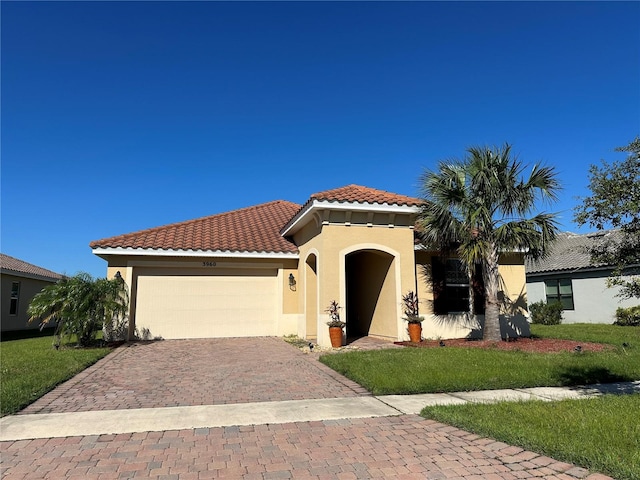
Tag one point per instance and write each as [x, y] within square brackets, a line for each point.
[628, 317]
[543, 313]
[80, 306]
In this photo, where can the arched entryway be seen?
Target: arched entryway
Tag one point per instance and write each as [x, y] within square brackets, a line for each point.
[370, 294]
[311, 297]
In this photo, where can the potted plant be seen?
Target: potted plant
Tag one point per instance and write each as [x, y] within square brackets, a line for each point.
[410, 309]
[335, 324]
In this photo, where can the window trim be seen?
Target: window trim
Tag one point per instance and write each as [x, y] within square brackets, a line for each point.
[555, 282]
[14, 298]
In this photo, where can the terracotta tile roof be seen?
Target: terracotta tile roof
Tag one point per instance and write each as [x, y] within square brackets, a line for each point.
[360, 194]
[11, 264]
[351, 194]
[570, 252]
[251, 229]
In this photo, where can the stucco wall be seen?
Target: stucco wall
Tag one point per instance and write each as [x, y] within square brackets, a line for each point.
[341, 241]
[593, 301]
[29, 287]
[513, 284]
[333, 243]
[288, 307]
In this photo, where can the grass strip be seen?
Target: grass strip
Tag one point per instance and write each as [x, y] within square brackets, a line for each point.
[31, 367]
[601, 434]
[589, 332]
[452, 369]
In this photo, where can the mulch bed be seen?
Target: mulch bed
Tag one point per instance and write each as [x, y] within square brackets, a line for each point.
[537, 345]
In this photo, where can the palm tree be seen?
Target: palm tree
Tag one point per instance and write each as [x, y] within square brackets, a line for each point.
[111, 305]
[79, 305]
[480, 206]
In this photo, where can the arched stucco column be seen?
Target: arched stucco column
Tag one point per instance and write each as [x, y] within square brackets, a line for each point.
[309, 329]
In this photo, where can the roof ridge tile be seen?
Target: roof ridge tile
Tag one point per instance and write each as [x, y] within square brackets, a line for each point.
[361, 194]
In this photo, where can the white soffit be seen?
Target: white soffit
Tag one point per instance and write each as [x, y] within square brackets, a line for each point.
[305, 215]
[191, 253]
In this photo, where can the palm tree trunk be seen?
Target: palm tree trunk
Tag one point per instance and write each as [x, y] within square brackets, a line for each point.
[492, 306]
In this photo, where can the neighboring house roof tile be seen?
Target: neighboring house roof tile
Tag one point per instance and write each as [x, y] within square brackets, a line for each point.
[360, 194]
[570, 252]
[13, 265]
[251, 229]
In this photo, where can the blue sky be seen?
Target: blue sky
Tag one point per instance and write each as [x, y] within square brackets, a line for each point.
[120, 116]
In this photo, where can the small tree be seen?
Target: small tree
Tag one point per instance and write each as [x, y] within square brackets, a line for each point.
[482, 206]
[615, 202]
[79, 305]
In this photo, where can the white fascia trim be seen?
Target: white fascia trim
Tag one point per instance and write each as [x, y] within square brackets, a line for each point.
[192, 253]
[419, 246]
[352, 206]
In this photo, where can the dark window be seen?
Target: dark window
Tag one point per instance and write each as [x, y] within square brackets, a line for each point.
[15, 296]
[560, 290]
[451, 288]
[457, 286]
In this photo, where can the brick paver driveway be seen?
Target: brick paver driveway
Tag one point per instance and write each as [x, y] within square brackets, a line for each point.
[404, 447]
[197, 372]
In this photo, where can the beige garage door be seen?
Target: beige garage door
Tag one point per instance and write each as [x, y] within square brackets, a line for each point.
[207, 306]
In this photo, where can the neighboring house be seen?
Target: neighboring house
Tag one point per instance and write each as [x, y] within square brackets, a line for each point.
[20, 281]
[273, 269]
[567, 275]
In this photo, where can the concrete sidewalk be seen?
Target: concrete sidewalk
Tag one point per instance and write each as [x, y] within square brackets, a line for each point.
[413, 404]
[103, 422]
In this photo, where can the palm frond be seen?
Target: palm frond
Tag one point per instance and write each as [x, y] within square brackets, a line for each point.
[80, 304]
[481, 205]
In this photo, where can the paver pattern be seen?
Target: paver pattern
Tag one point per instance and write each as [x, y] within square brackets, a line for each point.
[197, 372]
[403, 447]
[219, 371]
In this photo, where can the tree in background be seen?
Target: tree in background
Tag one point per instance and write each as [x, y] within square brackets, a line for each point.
[80, 306]
[482, 206]
[615, 202]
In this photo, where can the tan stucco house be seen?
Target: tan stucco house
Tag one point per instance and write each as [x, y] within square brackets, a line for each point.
[272, 269]
[20, 282]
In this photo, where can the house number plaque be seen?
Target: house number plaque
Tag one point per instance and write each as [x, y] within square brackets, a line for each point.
[208, 264]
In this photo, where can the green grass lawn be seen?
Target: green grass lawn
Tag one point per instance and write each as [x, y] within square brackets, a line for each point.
[31, 367]
[589, 332]
[600, 434]
[451, 369]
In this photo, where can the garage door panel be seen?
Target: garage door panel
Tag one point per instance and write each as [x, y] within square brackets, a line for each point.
[207, 306]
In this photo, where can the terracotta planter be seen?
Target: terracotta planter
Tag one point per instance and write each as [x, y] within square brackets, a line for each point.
[415, 332]
[335, 333]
